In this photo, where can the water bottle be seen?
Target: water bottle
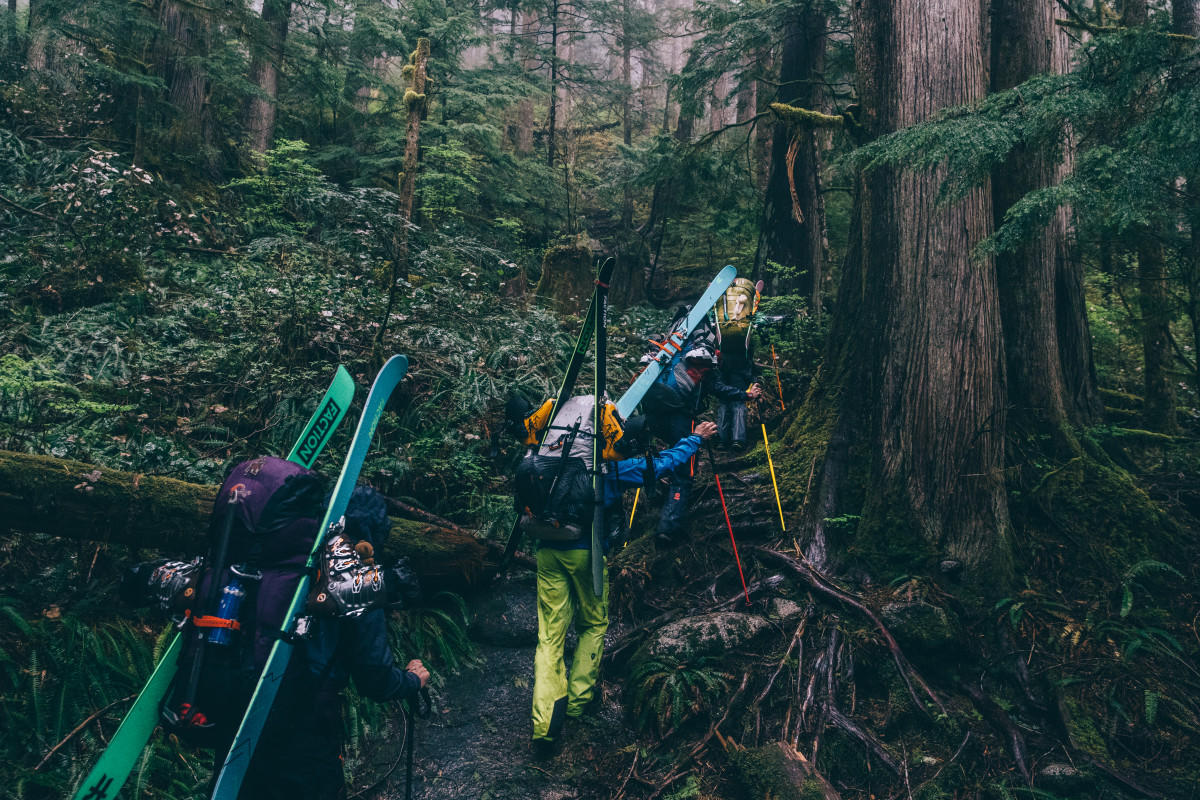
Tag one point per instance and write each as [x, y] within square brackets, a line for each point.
[231, 601]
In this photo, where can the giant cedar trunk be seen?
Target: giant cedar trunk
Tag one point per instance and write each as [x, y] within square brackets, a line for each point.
[1051, 377]
[264, 73]
[186, 40]
[1185, 18]
[915, 363]
[793, 230]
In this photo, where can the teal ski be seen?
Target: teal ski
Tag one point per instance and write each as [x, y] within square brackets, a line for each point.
[119, 758]
[229, 779]
[675, 341]
[567, 387]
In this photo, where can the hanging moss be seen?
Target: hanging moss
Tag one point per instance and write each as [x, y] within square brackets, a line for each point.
[414, 102]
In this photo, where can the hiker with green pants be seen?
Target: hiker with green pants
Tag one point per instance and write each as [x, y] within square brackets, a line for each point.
[564, 583]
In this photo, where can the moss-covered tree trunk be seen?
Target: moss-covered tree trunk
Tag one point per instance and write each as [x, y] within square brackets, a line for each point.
[567, 277]
[1158, 395]
[628, 285]
[793, 210]
[914, 377]
[1051, 376]
[75, 500]
[267, 56]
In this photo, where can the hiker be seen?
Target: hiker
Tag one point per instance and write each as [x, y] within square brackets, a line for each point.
[736, 369]
[269, 534]
[300, 752]
[671, 408]
[735, 319]
[555, 497]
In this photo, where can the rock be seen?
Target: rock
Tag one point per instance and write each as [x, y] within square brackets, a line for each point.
[1063, 778]
[786, 610]
[920, 626]
[951, 568]
[506, 616]
[704, 635]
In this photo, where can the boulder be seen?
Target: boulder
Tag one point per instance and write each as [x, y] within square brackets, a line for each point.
[704, 635]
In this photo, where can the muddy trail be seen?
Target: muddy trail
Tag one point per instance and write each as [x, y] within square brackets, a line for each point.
[476, 743]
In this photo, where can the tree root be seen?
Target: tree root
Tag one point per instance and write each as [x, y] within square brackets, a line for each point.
[1000, 719]
[814, 578]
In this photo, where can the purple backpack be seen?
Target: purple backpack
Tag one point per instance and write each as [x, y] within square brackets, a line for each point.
[273, 530]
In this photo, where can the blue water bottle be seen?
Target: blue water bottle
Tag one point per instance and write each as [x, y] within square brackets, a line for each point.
[231, 601]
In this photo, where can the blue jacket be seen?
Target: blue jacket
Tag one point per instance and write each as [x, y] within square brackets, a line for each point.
[630, 474]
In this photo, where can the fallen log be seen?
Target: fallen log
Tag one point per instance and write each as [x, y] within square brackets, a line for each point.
[76, 500]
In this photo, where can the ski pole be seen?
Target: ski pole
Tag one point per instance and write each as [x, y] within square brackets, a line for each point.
[636, 495]
[713, 463]
[421, 707]
[771, 464]
[778, 385]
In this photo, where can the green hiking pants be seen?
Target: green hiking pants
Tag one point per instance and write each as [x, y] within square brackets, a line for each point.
[564, 587]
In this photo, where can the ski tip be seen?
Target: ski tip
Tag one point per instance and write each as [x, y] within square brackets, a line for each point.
[730, 271]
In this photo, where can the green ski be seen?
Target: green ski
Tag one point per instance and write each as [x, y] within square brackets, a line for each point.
[119, 758]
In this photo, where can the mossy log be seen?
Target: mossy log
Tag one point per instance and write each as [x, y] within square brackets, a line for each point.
[76, 500]
[567, 276]
[778, 771]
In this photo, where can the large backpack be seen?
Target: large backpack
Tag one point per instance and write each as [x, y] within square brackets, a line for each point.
[735, 310]
[674, 390]
[554, 494]
[273, 525]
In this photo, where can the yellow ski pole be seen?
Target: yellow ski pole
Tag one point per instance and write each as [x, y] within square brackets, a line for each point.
[636, 495]
[771, 464]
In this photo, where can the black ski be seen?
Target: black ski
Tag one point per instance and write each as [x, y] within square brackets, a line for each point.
[598, 443]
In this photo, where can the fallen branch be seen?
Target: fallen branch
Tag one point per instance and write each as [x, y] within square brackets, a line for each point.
[79, 728]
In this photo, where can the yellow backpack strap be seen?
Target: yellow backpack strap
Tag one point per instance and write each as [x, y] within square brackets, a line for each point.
[535, 423]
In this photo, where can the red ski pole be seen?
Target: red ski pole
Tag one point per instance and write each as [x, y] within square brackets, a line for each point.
[713, 463]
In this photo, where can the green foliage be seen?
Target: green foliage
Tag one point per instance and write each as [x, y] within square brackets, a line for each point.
[667, 694]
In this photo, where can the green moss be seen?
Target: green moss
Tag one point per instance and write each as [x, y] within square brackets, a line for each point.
[1083, 732]
[567, 275]
[413, 101]
[1111, 521]
[766, 772]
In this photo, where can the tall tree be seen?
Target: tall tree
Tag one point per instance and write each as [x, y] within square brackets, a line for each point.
[913, 375]
[267, 56]
[793, 229]
[182, 64]
[1051, 377]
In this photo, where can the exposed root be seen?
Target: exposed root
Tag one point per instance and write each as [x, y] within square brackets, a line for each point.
[814, 578]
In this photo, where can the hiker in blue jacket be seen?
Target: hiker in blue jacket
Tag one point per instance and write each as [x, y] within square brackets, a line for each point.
[564, 582]
[671, 408]
[299, 756]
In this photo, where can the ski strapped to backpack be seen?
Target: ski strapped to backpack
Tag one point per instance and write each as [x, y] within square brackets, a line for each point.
[566, 388]
[117, 761]
[599, 445]
[293, 627]
[671, 350]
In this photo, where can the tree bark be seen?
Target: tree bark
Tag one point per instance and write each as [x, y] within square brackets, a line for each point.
[525, 107]
[1185, 19]
[75, 500]
[187, 37]
[793, 227]
[1051, 375]
[264, 73]
[415, 101]
[626, 109]
[917, 329]
[1158, 396]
